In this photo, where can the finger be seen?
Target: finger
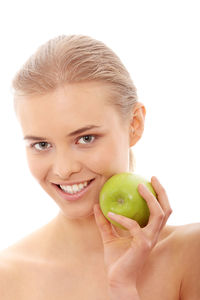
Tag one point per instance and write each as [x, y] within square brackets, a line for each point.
[103, 225]
[131, 225]
[156, 213]
[162, 198]
[139, 238]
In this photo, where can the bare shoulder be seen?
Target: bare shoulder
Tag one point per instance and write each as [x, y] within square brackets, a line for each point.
[185, 238]
[8, 277]
[183, 244]
[187, 241]
[18, 259]
[188, 235]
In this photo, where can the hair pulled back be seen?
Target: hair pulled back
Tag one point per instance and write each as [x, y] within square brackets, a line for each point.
[77, 58]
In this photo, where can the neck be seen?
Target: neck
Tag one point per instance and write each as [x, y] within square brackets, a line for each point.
[79, 235]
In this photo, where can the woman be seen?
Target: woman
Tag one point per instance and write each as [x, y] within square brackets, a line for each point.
[79, 114]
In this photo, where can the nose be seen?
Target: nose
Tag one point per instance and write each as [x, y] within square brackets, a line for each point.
[65, 163]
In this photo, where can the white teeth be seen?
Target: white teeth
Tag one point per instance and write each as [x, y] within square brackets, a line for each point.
[68, 189]
[75, 188]
[72, 189]
[80, 186]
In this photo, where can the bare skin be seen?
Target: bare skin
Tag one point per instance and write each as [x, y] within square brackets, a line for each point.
[72, 255]
[36, 268]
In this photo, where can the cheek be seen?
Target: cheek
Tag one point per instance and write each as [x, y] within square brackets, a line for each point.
[37, 167]
[110, 158]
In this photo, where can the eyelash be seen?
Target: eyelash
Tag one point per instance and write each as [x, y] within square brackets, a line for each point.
[90, 135]
[87, 135]
[34, 144]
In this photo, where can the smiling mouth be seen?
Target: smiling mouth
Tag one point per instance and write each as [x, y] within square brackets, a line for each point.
[75, 188]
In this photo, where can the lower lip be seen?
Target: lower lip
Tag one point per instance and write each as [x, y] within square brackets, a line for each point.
[76, 196]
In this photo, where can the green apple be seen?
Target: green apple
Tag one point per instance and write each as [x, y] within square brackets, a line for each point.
[119, 195]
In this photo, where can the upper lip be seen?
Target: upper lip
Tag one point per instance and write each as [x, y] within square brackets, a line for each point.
[71, 183]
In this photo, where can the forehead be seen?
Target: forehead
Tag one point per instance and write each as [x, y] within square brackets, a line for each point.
[72, 104]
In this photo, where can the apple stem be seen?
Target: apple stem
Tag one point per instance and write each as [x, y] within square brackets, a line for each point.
[120, 200]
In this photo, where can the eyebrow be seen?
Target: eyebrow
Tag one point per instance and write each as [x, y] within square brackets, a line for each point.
[78, 131]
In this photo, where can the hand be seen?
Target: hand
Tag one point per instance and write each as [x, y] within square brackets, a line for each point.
[125, 256]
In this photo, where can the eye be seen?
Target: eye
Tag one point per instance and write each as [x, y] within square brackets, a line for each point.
[87, 139]
[41, 146]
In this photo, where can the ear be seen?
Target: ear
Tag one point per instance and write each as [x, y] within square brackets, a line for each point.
[137, 123]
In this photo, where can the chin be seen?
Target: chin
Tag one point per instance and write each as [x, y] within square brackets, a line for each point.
[78, 214]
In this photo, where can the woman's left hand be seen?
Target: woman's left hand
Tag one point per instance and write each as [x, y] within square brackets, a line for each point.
[125, 256]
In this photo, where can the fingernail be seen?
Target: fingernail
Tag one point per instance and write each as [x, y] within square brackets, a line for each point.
[96, 208]
[154, 178]
[142, 185]
[111, 214]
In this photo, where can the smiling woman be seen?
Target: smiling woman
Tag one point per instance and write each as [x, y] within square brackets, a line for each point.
[71, 59]
[80, 116]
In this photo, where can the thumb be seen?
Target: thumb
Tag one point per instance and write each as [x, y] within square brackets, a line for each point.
[103, 224]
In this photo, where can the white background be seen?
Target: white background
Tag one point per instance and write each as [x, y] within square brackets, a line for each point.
[158, 41]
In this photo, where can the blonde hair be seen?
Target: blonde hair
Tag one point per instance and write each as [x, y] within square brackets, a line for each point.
[76, 58]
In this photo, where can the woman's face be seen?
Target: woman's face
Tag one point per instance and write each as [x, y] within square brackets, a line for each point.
[61, 152]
